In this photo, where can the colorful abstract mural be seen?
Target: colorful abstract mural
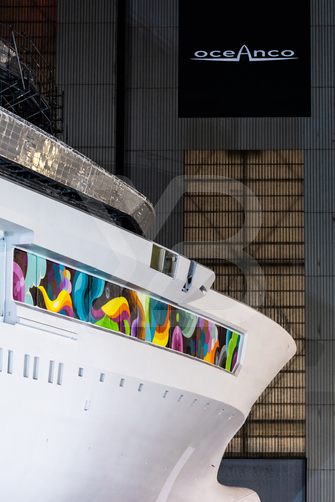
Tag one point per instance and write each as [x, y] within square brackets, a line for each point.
[57, 288]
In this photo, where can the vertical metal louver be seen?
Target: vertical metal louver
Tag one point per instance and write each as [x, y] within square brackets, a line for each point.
[249, 207]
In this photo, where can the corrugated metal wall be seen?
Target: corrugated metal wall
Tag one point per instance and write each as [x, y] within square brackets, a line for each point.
[86, 51]
[36, 19]
[320, 271]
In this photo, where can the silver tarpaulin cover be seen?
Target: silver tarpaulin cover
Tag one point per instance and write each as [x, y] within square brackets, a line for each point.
[30, 147]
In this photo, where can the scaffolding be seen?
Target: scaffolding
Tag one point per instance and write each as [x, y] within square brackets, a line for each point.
[27, 83]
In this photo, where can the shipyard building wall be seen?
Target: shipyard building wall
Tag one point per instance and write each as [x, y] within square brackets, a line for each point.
[86, 52]
[266, 157]
[286, 159]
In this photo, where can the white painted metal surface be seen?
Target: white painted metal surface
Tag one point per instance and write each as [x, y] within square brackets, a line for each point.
[86, 240]
[89, 415]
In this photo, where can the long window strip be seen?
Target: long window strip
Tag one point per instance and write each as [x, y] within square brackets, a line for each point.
[57, 288]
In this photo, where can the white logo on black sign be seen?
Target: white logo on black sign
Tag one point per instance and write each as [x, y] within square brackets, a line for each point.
[253, 56]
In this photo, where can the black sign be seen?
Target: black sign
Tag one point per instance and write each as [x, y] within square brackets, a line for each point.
[244, 58]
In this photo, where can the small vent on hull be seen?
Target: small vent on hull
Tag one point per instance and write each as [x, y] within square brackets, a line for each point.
[51, 371]
[26, 364]
[60, 373]
[10, 362]
[36, 368]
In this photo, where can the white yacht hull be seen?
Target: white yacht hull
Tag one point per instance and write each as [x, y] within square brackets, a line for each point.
[87, 414]
[124, 438]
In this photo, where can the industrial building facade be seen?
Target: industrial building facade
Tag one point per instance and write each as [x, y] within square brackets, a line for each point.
[252, 198]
